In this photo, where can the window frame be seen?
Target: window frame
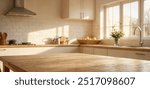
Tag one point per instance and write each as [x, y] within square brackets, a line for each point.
[121, 3]
[105, 13]
[142, 20]
[130, 25]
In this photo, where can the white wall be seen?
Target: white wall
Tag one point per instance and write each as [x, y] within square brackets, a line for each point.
[46, 24]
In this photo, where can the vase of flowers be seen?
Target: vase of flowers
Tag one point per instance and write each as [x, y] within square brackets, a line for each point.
[116, 35]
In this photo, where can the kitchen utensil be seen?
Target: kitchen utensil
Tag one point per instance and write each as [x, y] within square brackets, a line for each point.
[1, 40]
[4, 35]
[12, 42]
[0, 35]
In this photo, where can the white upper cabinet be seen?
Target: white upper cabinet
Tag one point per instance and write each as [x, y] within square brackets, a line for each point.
[78, 9]
[88, 9]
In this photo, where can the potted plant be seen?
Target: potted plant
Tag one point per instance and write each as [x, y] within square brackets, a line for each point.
[116, 35]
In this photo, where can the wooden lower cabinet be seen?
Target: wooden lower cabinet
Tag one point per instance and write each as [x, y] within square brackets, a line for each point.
[100, 51]
[95, 51]
[129, 54]
[87, 50]
[119, 53]
[141, 55]
[116, 52]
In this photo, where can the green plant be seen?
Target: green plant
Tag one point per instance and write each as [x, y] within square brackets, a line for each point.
[116, 34]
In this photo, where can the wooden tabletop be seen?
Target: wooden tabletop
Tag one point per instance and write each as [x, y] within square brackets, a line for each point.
[73, 62]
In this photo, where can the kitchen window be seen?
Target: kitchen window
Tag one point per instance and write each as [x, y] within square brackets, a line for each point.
[126, 16]
[130, 17]
[146, 18]
[112, 18]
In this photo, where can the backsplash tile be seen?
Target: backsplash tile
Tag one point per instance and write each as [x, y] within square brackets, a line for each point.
[46, 24]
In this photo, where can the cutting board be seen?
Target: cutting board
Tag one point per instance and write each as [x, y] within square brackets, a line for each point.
[3, 38]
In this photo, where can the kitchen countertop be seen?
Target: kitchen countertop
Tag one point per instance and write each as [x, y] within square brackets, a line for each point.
[146, 49]
[75, 62]
[51, 45]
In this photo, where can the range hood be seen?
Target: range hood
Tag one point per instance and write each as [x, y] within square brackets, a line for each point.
[19, 9]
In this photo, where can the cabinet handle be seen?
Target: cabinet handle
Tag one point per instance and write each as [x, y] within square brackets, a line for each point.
[142, 54]
[2, 49]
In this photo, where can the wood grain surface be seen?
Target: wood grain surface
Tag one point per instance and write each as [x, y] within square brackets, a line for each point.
[73, 62]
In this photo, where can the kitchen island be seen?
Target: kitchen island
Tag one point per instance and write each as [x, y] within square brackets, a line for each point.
[73, 62]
